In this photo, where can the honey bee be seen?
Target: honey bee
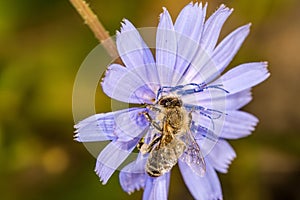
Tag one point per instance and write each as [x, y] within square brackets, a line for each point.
[172, 140]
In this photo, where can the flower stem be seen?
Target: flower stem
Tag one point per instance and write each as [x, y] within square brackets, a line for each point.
[97, 28]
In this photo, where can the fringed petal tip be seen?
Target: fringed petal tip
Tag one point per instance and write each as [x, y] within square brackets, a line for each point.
[230, 156]
[126, 25]
[223, 7]
[76, 137]
[265, 65]
[164, 13]
[195, 4]
[133, 189]
[99, 173]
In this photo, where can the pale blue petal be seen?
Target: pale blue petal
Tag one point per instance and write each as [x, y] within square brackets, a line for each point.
[218, 99]
[130, 125]
[135, 53]
[237, 100]
[221, 56]
[157, 188]
[125, 85]
[203, 188]
[190, 21]
[188, 27]
[238, 124]
[212, 28]
[111, 157]
[131, 47]
[244, 76]
[166, 48]
[132, 176]
[221, 156]
[97, 127]
[123, 125]
[233, 124]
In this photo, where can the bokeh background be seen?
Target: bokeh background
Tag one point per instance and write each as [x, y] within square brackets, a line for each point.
[43, 43]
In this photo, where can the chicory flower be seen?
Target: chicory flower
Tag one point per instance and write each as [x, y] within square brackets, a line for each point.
[188, 65]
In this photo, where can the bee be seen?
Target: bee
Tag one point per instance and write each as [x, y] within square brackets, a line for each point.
[172, 139]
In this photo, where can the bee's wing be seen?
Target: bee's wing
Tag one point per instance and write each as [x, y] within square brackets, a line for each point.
[192, 155]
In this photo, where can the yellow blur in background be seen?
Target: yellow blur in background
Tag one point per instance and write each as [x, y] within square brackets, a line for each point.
[43, 43]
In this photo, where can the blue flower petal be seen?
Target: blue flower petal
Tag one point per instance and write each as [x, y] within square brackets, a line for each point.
[190, 21]
[218, 99]
[238, 124]
[135, 53]
[228, 47]
[233, 124]
[132, 176]
[130, 125]
[205, 188]
[189, 28]
[125, 85]
[111, 157]
[157, 188]
[222, 55]
[237, 100]
[124, 124]
[244, 76]
[221, 156]
[131, 47]
[212, 28]
[166, 48]
[97, 127]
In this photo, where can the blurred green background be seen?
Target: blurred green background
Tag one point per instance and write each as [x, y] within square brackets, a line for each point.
[42, 46]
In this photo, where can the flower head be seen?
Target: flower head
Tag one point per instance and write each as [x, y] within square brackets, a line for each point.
[187, 109]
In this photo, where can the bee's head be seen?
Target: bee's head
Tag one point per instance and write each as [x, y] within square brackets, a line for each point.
[170, 102]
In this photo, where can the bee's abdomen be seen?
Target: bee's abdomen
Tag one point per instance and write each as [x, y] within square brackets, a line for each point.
[162, 160]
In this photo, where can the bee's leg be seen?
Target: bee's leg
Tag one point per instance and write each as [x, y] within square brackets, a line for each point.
[153, 123]
[146, 148]
[154, 142]
[154, 108]
[141, 143]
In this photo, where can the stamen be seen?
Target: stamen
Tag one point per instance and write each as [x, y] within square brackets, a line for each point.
[180, 89]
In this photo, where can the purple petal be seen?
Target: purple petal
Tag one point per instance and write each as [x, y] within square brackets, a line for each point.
[157, 188]
[244, 76]
[166, 48]
[125, 85]
[131, 47]
[190, 21]
[230, 125]
[188, 27]
[221, 56]
[97, 127]
[202, 62]
[207, 187]
[135, 53]
[221, 156]
[123, 124]
[219, 100]
[111, 157]
[213, 28]
[238, 124]
[130, 125]
[237, 100]
[133, 177]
